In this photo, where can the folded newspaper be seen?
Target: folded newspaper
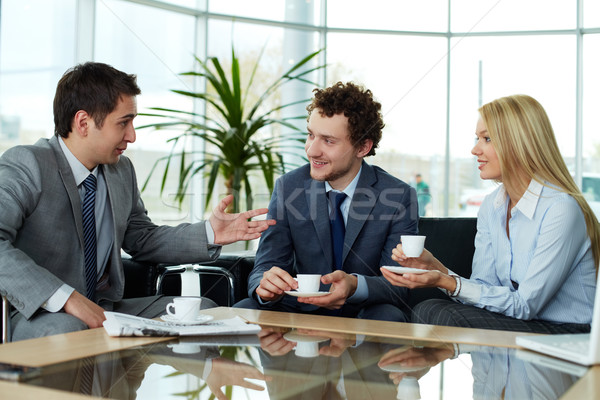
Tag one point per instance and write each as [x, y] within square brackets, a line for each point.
[118, 324]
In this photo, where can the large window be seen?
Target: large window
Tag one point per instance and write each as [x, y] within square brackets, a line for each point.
[430, 70]
[31, 63]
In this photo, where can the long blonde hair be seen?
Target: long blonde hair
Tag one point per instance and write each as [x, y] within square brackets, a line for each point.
[524, 141]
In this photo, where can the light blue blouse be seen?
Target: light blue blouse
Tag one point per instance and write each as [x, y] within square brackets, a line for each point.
[545, 270]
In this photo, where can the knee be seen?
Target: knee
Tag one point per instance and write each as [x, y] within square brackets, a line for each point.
[247, 303]
[383, 312]
[46, 324]
[207, 303]
[430, 311]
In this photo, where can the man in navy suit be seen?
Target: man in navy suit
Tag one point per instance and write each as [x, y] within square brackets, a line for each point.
[344, 127]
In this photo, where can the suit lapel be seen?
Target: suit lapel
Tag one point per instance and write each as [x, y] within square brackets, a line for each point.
[361, 207]
[66, 174]
[315, 198]
[115, 196]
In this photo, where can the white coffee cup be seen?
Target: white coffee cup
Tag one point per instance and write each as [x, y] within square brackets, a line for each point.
[308, 282]
[408, 389]
[184, 308]
[412, 245]
[307, 349]
[185, 348]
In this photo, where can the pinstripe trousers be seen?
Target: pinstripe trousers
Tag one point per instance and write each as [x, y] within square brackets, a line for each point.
[449, 313]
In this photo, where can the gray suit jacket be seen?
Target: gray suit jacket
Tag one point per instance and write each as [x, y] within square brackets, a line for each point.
[41, 234]
[382, 209]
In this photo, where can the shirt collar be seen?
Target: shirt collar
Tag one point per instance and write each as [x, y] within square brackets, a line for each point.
[80, 172]
[350, 189]
[528, 203]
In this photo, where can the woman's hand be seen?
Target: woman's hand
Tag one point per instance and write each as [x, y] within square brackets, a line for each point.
[425, 261]
[413, 281]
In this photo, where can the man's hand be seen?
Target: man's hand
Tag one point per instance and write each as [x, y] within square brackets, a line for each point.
[338, 342]
[273, 283]
[274, 343]
[229, 228]
[343, 286]
[86, 310]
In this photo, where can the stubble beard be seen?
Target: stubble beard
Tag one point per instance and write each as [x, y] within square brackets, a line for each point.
[333, 175]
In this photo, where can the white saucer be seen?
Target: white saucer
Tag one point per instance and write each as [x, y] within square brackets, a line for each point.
[396, 367]
[295, 293]
[200, 319]
[294, 336]
[404, 270]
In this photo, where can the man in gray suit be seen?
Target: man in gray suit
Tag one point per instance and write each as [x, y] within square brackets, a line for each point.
[344, 126]
[42, 240]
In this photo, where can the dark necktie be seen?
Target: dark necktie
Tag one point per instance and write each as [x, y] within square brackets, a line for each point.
[89, 235]
[338, 230]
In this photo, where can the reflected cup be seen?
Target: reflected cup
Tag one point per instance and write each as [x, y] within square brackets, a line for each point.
[307, 349]
[408, 389]
[185, 348]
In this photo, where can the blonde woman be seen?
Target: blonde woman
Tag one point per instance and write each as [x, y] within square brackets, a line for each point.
[537, 246]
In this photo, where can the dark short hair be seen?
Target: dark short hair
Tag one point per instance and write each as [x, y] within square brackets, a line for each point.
[93, 87]
[357, 104]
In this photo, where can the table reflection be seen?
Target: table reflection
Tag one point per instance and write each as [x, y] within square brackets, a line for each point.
[500, 373]
[306, 364]
[345, 367]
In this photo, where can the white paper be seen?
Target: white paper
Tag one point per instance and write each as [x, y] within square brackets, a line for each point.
[118, 324]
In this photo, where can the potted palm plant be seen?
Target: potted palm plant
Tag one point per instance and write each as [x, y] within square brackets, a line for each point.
[235, 130]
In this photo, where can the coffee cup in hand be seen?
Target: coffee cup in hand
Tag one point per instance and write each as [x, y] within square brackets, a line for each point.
[184, 308]
[412, 245]
[308, 282]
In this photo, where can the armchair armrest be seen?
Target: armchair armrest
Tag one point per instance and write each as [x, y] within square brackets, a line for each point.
[225, 280]
[216, 271]
[169, 280]
[5, 320]
[146, 279]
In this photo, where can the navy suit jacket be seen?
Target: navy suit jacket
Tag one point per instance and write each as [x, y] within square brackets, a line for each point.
[382, 209]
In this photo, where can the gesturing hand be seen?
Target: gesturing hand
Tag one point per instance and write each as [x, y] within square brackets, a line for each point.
[228, 372]
[229, 228]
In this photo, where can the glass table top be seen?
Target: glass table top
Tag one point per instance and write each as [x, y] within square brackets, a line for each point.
[281, 363]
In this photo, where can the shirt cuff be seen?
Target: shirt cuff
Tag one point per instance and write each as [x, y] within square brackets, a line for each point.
[362, 290]
[359, 340]
[470, 292]
[58, 299]
[207, 368]
[261, 301]
[210, 233]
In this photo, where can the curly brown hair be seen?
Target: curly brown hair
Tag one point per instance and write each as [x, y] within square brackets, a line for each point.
[357, 104]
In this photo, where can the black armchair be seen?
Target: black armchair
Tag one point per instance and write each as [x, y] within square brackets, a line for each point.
[452, 241]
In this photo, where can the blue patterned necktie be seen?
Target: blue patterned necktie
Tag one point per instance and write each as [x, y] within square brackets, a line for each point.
[338, 229]
[89, 235]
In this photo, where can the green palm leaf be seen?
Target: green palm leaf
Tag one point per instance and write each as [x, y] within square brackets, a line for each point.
[237, 143]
